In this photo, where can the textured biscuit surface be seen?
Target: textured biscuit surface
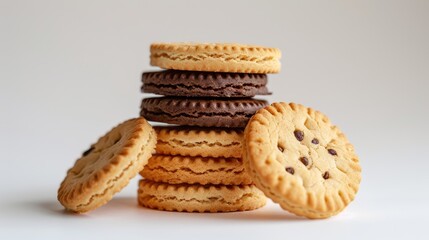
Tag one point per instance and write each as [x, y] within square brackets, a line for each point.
[181, 169]
[215, 57]
[300, 160]
[204, 84]
[107, 166]
[202, 112]
[199, 198]
[194, 141]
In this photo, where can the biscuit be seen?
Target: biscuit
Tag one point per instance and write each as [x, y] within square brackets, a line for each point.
[215, 57]
[300, 160]
[205, 142]
[201, 112]
[180, 169]
[204, 84]
[199, 198]
[107, 166]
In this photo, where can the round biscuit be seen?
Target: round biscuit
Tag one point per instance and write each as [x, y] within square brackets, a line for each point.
[107, 166]
[300, 160]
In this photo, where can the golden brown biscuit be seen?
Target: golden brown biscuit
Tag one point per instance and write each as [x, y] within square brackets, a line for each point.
[180, 169]
[199, 198]
[300, 160]
[205, 142]
[107, 166]
[215, 57]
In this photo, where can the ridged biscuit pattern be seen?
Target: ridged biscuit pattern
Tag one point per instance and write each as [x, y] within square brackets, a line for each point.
[107, 166]
[204, 84]
[194, 141]
[200, 170]
[215, 57]
[300, 160]
[199, 198]
[201, 112]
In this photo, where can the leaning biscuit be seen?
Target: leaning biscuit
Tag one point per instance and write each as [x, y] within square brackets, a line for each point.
[107, 166]
[180, 169]
[205, 142]
[300, 160]
[199, 198]
[215, 57]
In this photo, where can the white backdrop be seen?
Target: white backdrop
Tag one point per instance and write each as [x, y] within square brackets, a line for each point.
[70, 70]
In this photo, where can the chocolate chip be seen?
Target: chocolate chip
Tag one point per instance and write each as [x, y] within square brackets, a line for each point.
[87, 151]
[326, 175]
[315, 141]
[299, 135]
[280, 148]
[332, 152]
[290, 170]
[304, 161]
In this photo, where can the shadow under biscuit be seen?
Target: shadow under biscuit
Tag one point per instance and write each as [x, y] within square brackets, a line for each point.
[259, 215]
[40, 207]
[121, 204]
[54, 208]
[115, 205]
[270, 212]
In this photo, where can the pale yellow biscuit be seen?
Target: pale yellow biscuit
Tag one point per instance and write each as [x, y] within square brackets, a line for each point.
[215, 57]
[107, 166]
[300, 160]
[199, 198]
[180, 169]
[205, 142]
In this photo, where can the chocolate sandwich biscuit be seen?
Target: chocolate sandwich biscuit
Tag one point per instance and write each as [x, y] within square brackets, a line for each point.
[204, 84]
[201, 112]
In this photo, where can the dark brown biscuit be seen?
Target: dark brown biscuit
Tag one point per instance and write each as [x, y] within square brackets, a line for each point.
[201, 112]
[204, 84]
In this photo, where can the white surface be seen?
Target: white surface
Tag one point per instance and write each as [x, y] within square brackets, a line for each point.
[69, 71]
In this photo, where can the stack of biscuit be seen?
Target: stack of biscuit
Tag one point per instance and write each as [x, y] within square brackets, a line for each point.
[204, 161]
[207, 98]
